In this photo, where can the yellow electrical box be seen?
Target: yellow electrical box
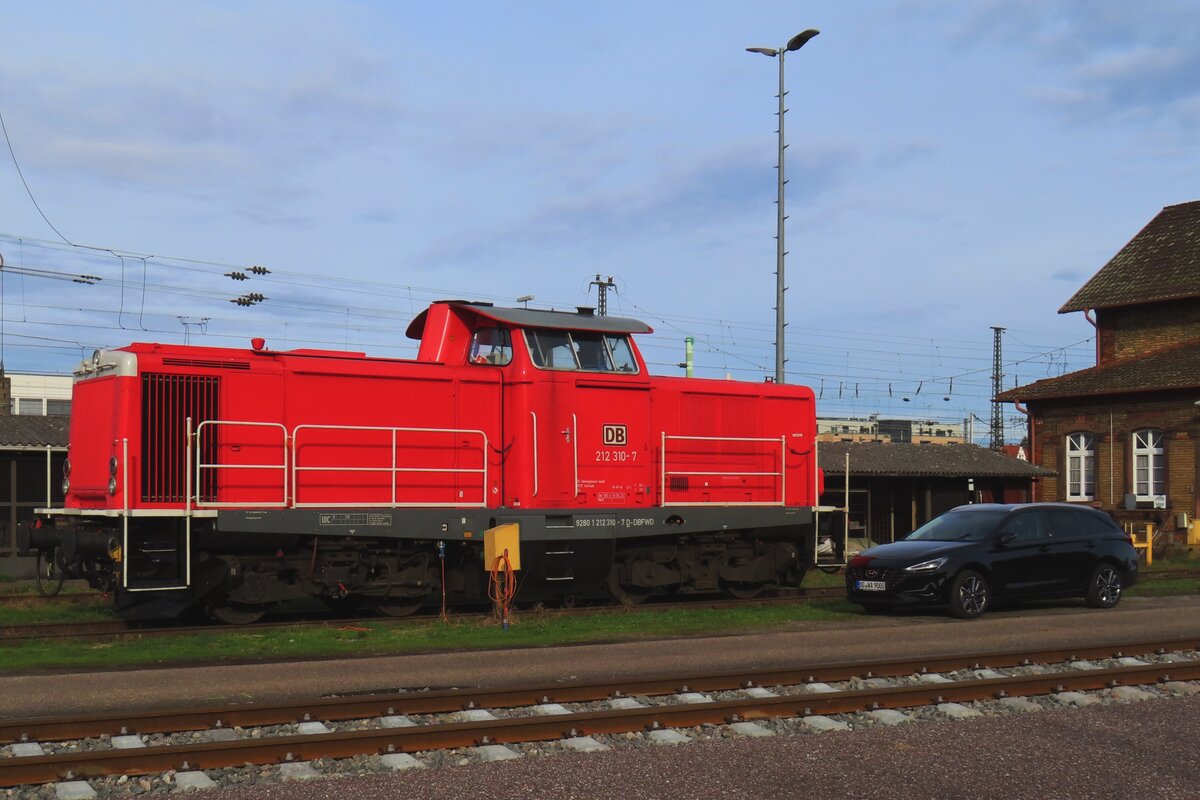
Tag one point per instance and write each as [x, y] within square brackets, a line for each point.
[1194, 533]
[499, 541]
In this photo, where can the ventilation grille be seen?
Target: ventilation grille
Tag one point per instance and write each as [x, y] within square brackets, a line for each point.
[167, 402]
[197, 363]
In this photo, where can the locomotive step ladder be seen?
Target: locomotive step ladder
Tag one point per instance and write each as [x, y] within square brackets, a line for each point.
[830, 546]
[155, 557]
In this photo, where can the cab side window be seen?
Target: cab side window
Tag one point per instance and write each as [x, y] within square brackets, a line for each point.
[622, 353]
[587, 351]
[593, 355]
[552, 349]
[491, 346]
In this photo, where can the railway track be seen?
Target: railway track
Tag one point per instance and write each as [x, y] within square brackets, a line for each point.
[463, 718]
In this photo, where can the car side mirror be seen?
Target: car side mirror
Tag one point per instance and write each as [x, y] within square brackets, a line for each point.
[1006, 537]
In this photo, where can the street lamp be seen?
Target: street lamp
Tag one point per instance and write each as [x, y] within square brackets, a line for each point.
[795, 43]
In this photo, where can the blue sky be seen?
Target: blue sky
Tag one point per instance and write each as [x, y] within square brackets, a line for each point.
[953, 165]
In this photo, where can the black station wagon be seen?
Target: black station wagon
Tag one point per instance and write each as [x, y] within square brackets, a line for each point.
[974, 555]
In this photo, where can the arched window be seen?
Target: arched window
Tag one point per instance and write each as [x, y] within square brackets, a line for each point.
[1081, 467]
[1149, 465]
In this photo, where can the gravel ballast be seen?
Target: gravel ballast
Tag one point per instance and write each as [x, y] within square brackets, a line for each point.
[1122, 750]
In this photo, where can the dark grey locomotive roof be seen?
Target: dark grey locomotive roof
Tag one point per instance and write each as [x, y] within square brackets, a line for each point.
[536, 318]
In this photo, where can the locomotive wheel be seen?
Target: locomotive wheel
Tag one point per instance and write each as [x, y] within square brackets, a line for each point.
[623, 593]
[399, 607]
[236, 613]
[50, 573]
[744, 591]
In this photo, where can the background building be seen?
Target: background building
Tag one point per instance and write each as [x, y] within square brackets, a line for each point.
[1124, 436]
[874, 429]
[39, 395]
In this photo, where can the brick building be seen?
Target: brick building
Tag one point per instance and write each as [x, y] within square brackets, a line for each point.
[1124, 436]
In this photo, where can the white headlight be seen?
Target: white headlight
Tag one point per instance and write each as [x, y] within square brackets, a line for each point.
[932, 565]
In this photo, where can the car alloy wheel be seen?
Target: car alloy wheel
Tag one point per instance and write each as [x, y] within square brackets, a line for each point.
[968, 595]
[1104, 591]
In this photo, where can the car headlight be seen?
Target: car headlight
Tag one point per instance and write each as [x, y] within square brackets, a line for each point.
[931, 565]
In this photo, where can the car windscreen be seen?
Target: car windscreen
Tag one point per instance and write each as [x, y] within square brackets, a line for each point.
[959, 526]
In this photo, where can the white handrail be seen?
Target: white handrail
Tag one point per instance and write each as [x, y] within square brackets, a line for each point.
[535, 456]
[201, 465]
[393, 470]
[125, 512]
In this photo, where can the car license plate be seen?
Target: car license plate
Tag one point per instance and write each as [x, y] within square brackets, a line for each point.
[871, 586]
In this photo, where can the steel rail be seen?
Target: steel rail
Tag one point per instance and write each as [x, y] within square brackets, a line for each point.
[449, 700]
[213, 755]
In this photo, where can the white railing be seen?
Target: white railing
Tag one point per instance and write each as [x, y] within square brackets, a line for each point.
[393, 469]
[665, 474]
[216, 467]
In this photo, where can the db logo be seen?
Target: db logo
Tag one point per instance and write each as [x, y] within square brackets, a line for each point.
[615, 435]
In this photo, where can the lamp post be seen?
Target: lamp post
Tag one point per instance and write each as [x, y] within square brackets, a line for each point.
[795, 43]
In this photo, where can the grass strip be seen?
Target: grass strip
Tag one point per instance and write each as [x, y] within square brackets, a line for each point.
[339, 640]
[1160, 587]
[35, 610]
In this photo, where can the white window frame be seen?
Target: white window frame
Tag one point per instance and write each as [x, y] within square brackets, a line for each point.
[1081, 467]
[1149, 464]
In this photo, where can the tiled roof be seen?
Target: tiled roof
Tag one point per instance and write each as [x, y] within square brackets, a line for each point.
[1174, 368]
[32, 431]
[936, 460]
[1161, 263]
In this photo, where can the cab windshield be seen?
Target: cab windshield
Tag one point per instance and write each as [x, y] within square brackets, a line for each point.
[580, 350]
[959, 526]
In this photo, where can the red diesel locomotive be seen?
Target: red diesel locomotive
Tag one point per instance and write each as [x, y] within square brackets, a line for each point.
[234, 479]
